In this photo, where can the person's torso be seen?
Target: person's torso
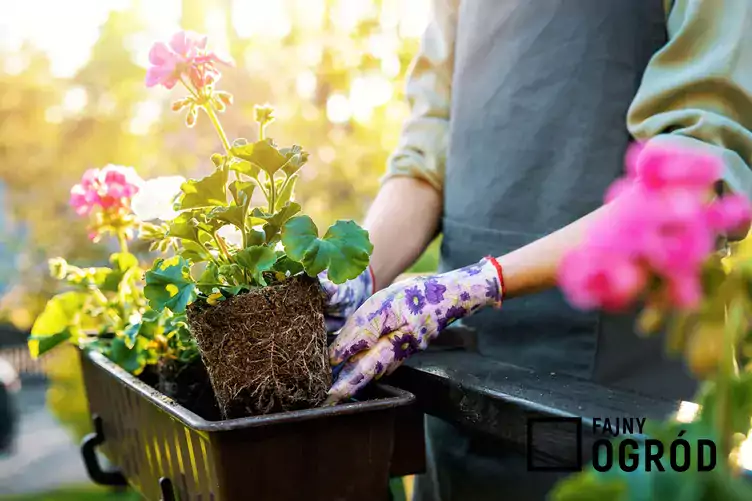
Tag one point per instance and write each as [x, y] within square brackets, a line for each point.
[538, 131]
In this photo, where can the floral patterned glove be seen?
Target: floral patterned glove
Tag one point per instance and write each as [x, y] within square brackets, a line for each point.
[402, 319]
[344, 299]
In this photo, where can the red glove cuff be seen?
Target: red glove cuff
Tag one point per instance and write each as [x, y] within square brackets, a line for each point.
[500, 271]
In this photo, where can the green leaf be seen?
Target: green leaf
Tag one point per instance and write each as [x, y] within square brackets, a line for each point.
[130, 334]
[124, 261]
[111, 280]
[245, 167]
[242, 192]
[207, 192]
[344, 250]
[169, 285]
[53, 325]
[296, 158]
[740, 393]
[263, 153]
[255, 237]
[274, 222]
[232, 273]
[589, 486]
[208, 279]
[39, 345]
[132, 359]
[287, 266]
[194, 252]
[255, 260]
[285, 193]
[231, 214]
[182, 227]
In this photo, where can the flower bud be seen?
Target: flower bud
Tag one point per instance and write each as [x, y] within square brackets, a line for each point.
[219, 105]
[264, 114]
[58, 268]
[190, 118]
[217, 159]
[180, 104]
[224, 96]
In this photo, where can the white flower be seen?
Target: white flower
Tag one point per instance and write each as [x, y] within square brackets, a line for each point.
[155, 198]
[231, 235]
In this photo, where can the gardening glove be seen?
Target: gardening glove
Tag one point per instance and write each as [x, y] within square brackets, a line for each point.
[344, 299]
[402, 319]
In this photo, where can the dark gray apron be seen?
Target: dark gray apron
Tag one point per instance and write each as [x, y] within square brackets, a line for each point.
[538, 131]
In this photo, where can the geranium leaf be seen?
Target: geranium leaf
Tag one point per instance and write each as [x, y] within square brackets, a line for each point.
[194, 252]
[256, 259]
[287, 266]
[285, 193]
[344, 250]
[208, 279]
[181, 227]
[274, 222]
[296, 158]
[61, 314]
[131, 358]
[206, 192]
[242, 192]
[245, 167]
[169, 285]
[231, 214]
[263, 153]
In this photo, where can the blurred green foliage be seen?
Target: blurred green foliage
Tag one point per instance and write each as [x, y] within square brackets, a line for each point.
[337, 89]
[76, 493]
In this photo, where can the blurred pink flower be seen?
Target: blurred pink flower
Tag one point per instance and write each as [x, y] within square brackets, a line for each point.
[111, 187]
[661, 224]
[730, 213]
[678, 239]
[184, 55]
[660, 166]
[684, 290]
[592, 277]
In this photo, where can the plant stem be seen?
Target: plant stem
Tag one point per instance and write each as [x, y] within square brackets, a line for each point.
[727, 371]
[123, 241]
[222, 247]
[272, 194]
[212, 114]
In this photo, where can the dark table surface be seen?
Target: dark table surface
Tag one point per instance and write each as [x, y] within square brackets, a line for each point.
[489, 397]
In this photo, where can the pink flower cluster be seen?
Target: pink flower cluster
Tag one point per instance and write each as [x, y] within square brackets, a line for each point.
[662, 223]
[184, 55]
[110, 188]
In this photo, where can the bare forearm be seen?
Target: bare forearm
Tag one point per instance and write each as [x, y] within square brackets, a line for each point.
[401, 222]
[533, 268]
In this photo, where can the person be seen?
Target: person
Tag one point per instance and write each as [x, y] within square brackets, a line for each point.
[522, 113]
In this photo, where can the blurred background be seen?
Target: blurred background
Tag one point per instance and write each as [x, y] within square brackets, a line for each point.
[72, 97]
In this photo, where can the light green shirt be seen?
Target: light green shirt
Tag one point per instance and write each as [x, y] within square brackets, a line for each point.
[696, 90]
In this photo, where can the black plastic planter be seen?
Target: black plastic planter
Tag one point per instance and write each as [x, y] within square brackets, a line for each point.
[167, 452]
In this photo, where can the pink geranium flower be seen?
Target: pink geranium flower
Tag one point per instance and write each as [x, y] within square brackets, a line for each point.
[185, 54]
[730, 213]
[661, 167]
[109, 188]
[592, 277]
[660, 223]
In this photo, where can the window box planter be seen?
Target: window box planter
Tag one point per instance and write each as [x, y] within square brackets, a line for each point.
[166, 452]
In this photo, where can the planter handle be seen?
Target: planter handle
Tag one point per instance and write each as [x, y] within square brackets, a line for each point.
[88, 446]
[165, 487]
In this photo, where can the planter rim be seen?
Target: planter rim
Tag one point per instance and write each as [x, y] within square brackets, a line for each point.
[396, 398]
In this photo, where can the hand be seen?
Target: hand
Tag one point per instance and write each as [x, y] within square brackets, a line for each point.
[344, 299]
[402, 319]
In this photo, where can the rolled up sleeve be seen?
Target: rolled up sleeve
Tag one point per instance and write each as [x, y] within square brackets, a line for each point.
[697, 90]
[421, 151]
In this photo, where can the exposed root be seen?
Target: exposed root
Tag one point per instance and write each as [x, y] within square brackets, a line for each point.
[266, 351]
